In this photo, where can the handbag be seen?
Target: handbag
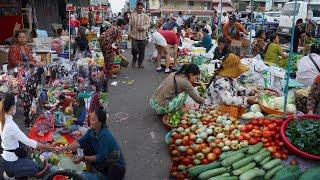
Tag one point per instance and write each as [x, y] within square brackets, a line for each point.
[20, 152]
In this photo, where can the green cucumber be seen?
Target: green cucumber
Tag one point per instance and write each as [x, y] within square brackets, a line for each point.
[262, 150]
[251, 174]
[231, 153]
[272, 172]
[211, 173]
[271, 164]
[267, 159]
[243, 169]
[225, 174]
[255, 148]
[288, 173]
[242, 162]
[312, 174]
[196, 170]
[230, 160]
[224, 178]
[261, 156]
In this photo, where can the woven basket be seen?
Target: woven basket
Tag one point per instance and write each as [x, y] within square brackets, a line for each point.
[233, 111]
[115, 69]
[270, 111]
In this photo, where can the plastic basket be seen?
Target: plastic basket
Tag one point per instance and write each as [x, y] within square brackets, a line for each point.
[56, 175]
[290, 146]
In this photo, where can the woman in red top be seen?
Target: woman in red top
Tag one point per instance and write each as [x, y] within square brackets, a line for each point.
[20, 52]
[161, 39]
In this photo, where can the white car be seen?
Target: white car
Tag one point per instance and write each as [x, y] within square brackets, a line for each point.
[272, 16]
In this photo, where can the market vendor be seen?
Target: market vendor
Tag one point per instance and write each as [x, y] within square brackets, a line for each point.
[106, 40]
[197, 35]
[232, 30]
[81, 49]
[161, 39]
[313, 100]
[11, 136]
[309, 66]
[174, 90]
[101, 150]
[80, 111]
[224, 89]
[206, 41]
[274, 54]
[20, 52]
[222, 50]
[259, 43]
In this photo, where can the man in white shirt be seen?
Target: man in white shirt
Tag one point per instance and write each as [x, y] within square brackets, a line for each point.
[180, 21]
[207, 26]
[307, 70]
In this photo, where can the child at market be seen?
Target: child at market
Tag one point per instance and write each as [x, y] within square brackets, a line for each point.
[224, 89]
[173, 91]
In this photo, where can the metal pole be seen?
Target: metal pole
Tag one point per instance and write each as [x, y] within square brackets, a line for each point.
[251, 27]
[286, 89]
[69, 36]
[220, 20]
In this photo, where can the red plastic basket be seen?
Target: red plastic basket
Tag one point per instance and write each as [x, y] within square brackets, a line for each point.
[290, 146]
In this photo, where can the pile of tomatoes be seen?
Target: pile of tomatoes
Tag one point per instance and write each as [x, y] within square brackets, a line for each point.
[267, 131]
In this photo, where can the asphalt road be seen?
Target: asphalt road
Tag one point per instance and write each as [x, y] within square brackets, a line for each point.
[141, 136]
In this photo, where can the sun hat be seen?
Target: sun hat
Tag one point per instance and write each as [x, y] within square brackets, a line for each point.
[232, 67]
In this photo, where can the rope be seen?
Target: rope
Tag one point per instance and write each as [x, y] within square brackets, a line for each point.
[286, 89]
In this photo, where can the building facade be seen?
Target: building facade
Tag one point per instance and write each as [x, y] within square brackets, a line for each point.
[192, 7]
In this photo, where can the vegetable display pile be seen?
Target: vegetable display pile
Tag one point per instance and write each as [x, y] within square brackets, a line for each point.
[255, 112]
[253, 162]
[305, 135]
[202, 89]
[174, 118]
[205, 77]
[266, 131]
[277, 103]
[200, 138]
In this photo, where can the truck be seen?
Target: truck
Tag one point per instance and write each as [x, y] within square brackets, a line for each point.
[309, 9]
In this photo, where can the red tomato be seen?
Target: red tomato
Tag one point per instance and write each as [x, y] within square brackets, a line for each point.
[253, 140]
[240, 138]
[265, 128]
[258, 139]
[272, 143]
[255, 122]
[272, 126]
[266, 133]
[256, 133]
[256, 127]
[264, 140]
[260, 122]
[217, 151]
[278, 121]
[244, 128]
[267, 145]
[232, 137]
[273, 133]
[281, 143]
[266, 121]
[249, 127]
[285, 151]
[186, 161]
[246, 136]
[277, 155]
[204, 161]
[277, 136]
[284, 156]
[271, 149]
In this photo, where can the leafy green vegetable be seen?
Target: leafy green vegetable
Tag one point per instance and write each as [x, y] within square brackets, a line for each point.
[305, 134]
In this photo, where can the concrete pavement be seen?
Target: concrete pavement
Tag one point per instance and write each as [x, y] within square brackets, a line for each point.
[141, 137]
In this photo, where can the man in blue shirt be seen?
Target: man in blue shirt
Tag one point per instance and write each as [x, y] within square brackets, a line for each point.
[171, 24]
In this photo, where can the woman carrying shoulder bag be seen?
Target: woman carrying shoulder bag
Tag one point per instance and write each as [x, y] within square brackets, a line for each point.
[173, 91]
[15, 162]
